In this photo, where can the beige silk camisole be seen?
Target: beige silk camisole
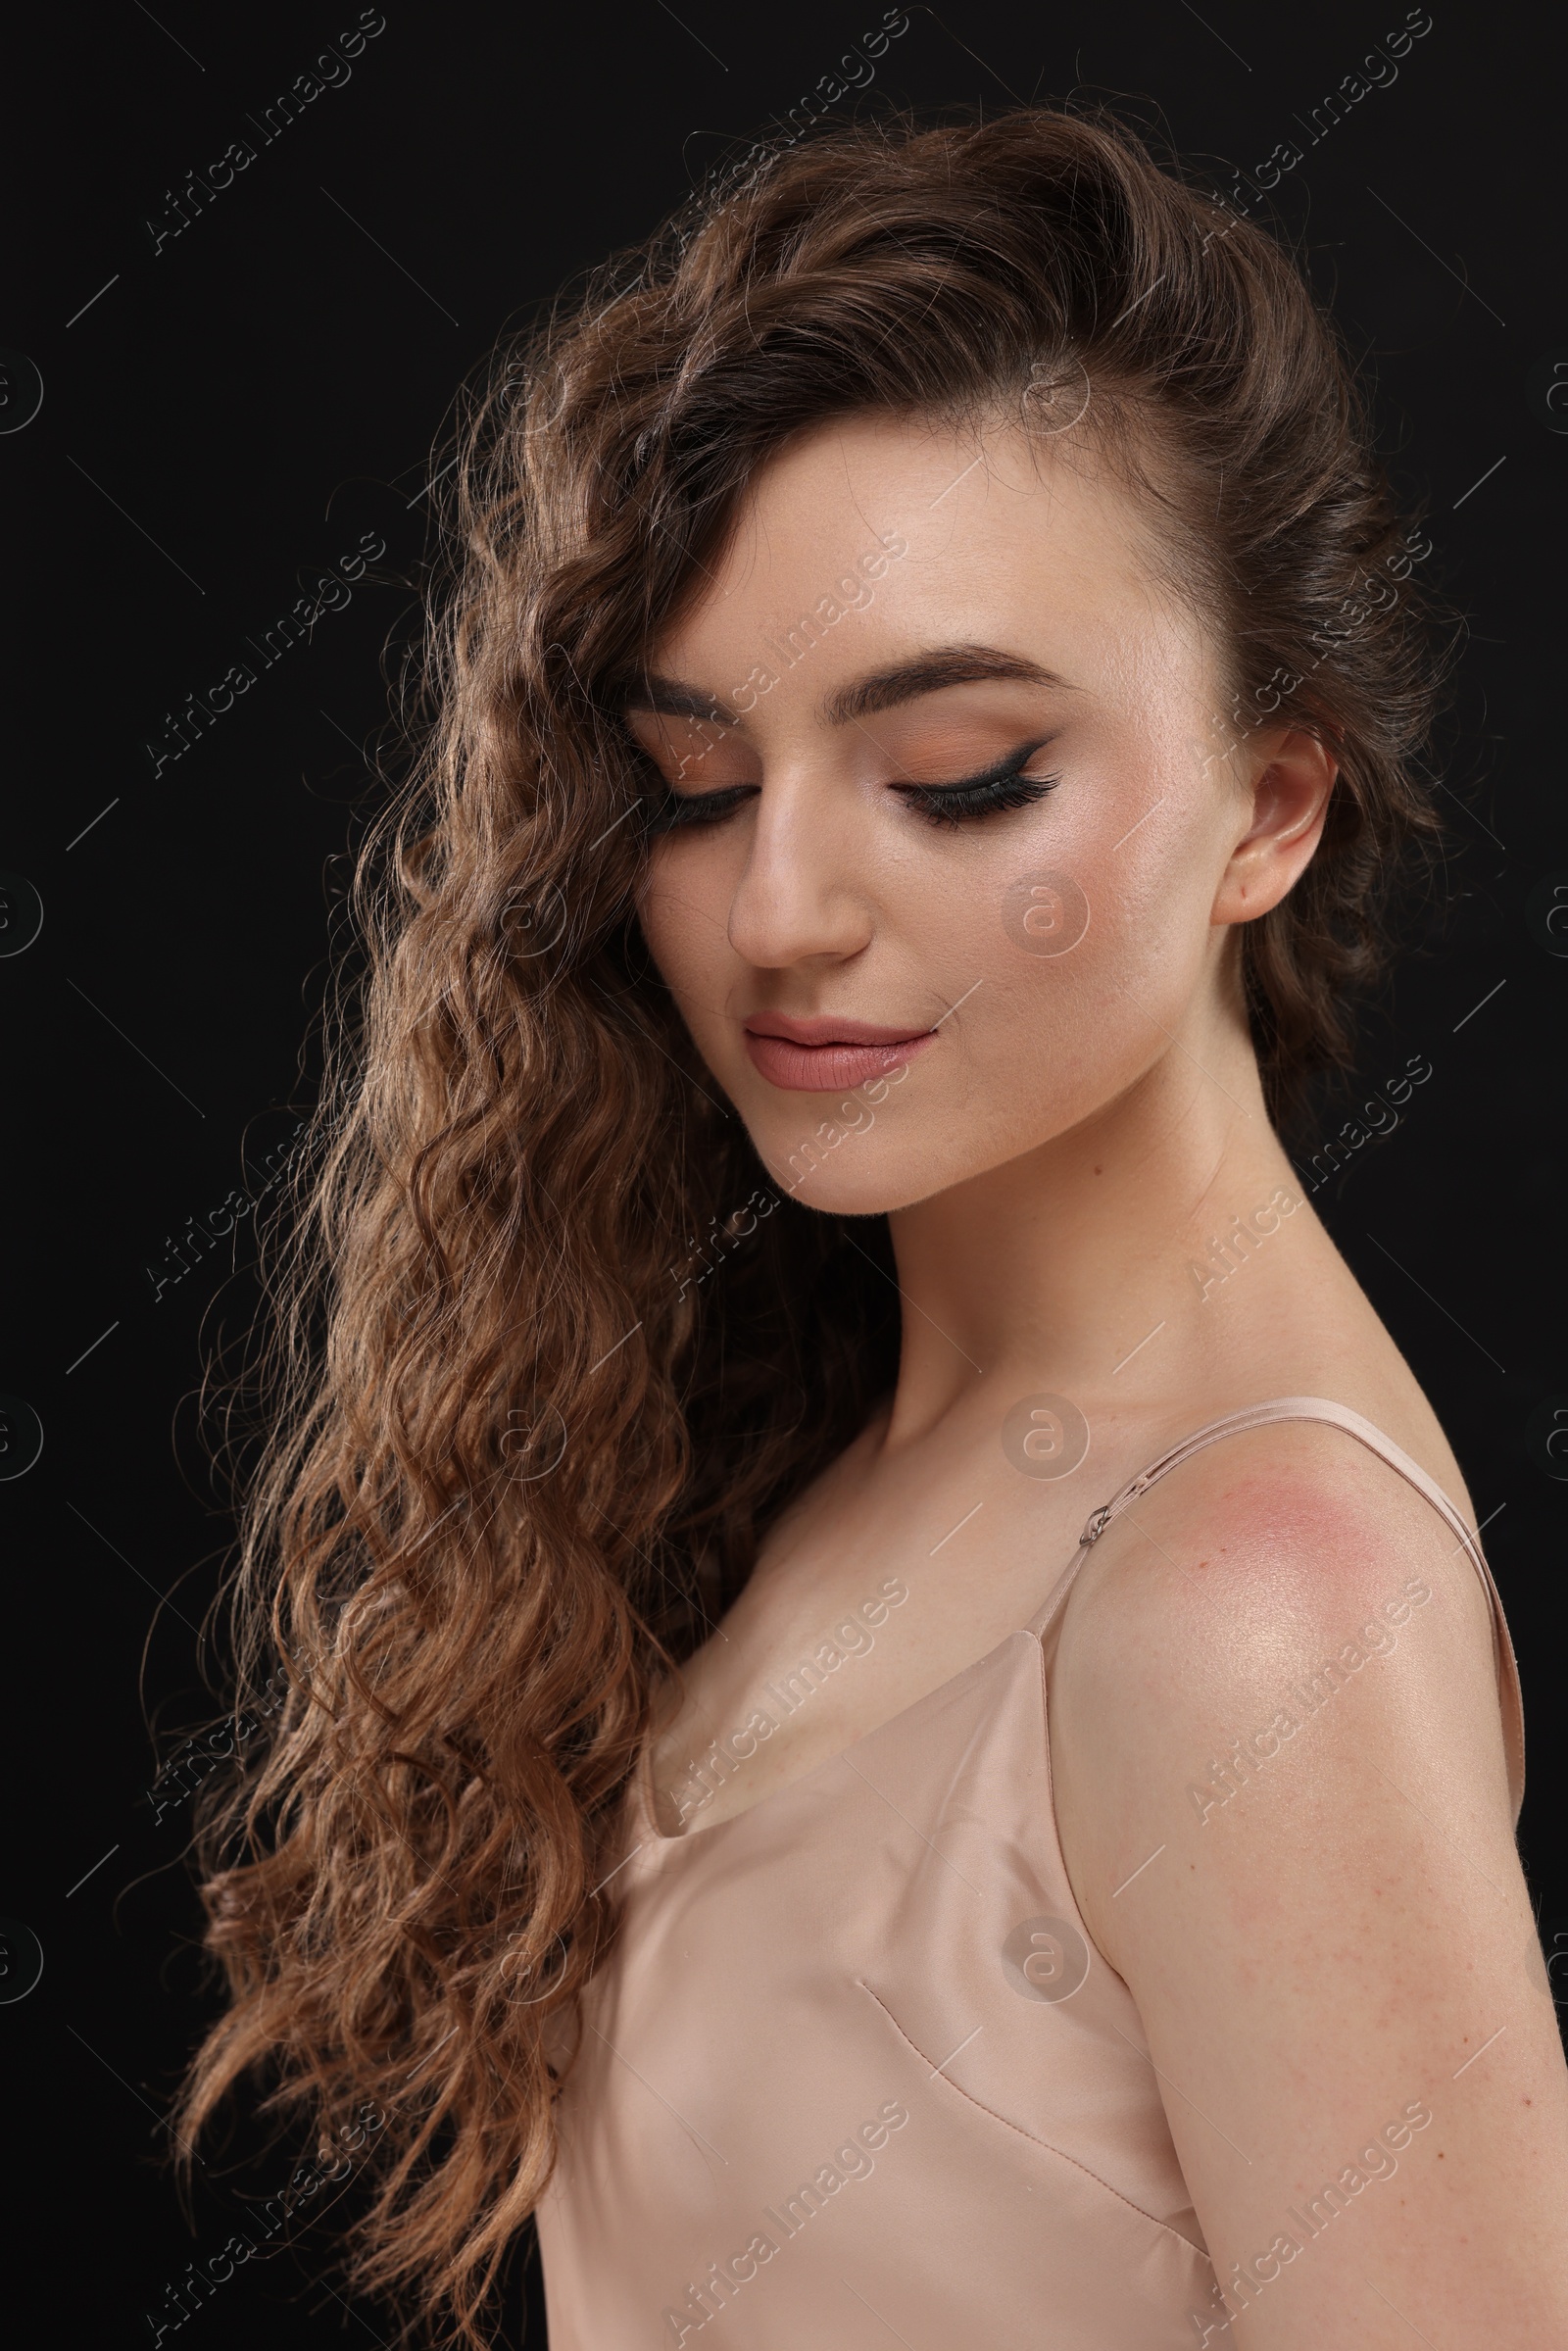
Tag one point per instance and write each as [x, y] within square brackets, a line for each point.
[856, 2074]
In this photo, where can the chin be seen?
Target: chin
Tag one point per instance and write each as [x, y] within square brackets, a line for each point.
[870, 1190]
[850, 1161]
[837, 1156]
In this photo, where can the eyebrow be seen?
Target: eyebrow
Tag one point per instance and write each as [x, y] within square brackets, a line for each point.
[884, 690]
[928, 673]
[673, 697]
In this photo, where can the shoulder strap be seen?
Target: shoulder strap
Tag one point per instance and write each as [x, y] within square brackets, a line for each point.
[1338, 1416]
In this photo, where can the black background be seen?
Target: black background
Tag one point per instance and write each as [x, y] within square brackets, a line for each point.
[219, 424]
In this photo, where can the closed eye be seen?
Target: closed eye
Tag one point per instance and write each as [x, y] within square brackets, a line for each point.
[1003, 785]
[679, 810]
[995, 789]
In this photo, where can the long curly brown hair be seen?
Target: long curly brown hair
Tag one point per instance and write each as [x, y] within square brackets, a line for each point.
[548, 1362]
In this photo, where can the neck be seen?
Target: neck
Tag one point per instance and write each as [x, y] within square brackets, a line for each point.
[1087, 1268]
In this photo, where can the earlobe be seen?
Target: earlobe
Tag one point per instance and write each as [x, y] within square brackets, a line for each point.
[1291, 791]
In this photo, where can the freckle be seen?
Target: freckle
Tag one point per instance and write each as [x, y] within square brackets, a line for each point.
[1099, 1171]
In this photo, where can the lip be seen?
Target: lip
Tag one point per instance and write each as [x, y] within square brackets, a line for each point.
[829, 1052]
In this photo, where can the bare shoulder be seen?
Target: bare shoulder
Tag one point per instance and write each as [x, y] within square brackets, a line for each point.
[1282, 1791]
[1284, 1582]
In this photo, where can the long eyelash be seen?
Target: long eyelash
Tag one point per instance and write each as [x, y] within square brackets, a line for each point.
[982, 796]
[678, 809]
[986, 795]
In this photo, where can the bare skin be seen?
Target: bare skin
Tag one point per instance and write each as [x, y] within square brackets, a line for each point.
[1341, 1938]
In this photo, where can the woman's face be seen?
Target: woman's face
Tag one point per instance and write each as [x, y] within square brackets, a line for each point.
[953, 849]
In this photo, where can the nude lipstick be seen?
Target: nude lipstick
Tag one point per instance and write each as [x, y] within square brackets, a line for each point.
[829, 1052]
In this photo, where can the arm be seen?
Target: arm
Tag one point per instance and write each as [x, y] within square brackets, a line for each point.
[1334, 1956]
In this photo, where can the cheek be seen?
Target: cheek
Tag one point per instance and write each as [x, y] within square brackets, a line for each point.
[1085, 945]
[683, 914]
[1045, 1023]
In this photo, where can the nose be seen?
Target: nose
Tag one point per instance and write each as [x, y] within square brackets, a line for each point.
[803, 895]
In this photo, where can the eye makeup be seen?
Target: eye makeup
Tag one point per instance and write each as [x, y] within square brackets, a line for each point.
[991, 792]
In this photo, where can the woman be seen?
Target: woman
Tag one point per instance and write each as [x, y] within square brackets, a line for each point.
[895, 1721]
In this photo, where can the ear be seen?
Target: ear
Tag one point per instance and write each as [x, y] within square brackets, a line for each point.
[1292, 776]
